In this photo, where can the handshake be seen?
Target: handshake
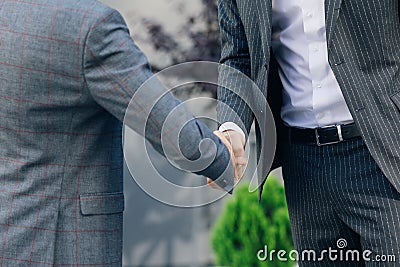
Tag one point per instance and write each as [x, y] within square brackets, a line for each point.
[235, 143]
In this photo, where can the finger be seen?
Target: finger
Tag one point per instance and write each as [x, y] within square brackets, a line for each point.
[241, 161]
[223, 138]
[237, 147]
[213, 184]
[238, 173]
[237, 142]
[227, 136]
[231, 134]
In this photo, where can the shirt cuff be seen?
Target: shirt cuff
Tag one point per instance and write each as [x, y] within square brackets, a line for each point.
[231, 126]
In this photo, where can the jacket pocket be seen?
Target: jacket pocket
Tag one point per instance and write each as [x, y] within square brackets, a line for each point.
[396, 99]
[101, 203]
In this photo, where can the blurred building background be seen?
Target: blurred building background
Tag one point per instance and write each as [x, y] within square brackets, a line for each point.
[155, 234]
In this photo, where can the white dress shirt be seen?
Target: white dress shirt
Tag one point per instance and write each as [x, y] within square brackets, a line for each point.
[311, 97]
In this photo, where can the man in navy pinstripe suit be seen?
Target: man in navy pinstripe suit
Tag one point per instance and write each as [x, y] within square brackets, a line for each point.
[331, 72]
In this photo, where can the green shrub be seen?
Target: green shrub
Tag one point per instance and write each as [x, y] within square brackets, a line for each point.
[245, 227]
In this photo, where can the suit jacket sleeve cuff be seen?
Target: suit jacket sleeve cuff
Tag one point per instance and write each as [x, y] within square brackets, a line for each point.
[225, 173]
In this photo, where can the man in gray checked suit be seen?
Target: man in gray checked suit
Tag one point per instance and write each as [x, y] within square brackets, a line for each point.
[68, 69]
[331, 72]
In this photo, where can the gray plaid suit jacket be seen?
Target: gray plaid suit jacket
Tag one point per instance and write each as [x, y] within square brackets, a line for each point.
[68, 69]
[364, 53]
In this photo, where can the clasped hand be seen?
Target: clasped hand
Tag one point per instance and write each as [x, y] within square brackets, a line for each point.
[235, 143]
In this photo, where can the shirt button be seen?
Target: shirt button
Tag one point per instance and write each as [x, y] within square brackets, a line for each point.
[319, 85]
[309, 14]
[315, 49]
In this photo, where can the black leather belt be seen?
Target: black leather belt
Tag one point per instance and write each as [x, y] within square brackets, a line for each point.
[326, 135]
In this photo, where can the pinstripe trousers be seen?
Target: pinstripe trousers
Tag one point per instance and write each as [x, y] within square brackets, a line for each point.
[338, 192]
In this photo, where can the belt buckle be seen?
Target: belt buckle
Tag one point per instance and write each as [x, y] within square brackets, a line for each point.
[339, 132]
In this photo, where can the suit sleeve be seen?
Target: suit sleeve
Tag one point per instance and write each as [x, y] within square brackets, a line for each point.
[235, 56]
[114, 70]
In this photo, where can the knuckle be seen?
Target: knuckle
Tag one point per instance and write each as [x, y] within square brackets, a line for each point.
[238, 150]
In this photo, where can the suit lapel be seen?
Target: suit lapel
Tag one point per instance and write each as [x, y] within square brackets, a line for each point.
[260, 11]
[263, 12]
[332, 10]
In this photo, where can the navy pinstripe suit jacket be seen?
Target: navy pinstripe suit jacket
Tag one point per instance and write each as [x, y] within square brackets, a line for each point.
[364, 53]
